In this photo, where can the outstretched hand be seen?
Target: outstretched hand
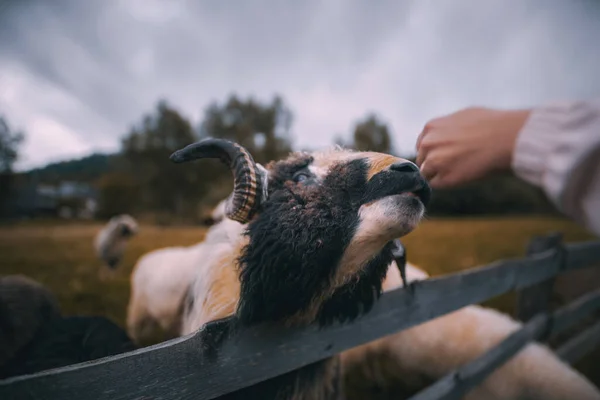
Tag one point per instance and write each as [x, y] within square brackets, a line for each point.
[468, 145]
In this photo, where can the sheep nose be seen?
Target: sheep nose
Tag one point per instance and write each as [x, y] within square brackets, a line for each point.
[404, 166]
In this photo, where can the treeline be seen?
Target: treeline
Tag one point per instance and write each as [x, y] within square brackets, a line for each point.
[144, 180]
[10, 141]
[140, 179]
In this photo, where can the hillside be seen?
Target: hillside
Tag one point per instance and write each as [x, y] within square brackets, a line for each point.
[86, 169]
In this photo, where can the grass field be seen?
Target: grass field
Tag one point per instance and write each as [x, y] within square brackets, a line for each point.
[61, 256]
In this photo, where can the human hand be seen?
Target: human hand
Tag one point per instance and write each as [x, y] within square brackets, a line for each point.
[467, 145]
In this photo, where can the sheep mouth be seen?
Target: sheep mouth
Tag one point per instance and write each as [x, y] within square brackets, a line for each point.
[422, 193]
[412, 186]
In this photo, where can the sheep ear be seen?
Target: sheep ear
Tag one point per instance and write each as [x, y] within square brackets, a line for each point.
[264, 176]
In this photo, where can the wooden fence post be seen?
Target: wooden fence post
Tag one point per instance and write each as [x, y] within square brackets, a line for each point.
[536, 298]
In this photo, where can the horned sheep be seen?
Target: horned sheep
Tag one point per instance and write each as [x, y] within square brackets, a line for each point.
[317, 246]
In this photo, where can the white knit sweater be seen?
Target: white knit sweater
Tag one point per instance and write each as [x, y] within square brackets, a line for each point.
[558, 149]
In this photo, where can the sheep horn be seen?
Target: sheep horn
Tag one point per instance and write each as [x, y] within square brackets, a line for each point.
[248, 178]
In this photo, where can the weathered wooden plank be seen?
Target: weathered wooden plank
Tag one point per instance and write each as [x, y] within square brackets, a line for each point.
[177, 369]
[535, 299]
[575, 311]
[582, 254]
[459, 382]
[577, 347]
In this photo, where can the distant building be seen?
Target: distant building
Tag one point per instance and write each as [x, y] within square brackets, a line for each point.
[66, 199]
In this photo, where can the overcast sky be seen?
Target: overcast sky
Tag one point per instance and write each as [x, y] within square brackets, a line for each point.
[74, 75]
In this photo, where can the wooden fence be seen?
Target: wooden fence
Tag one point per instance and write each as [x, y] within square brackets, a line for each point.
[191, 368]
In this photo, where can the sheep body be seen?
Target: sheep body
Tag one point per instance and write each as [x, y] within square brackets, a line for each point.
[25, 305]
[218, 213]
[68, 340]
[160, 280]
[421, 355]
[34, 336]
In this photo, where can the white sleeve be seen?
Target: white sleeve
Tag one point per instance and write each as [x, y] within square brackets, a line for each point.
[558, 149]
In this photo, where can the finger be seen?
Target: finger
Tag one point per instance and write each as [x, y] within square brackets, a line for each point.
[421, 157]
[442, 182]
[436, 182]
[427, 171]
[447, 181]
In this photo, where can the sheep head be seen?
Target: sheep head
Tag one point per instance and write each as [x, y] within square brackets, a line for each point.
[320, 228]
[125, 226]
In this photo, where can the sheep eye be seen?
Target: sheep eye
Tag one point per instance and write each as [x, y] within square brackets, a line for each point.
[300, 177]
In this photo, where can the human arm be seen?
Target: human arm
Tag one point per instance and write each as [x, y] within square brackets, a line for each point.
[555, 147]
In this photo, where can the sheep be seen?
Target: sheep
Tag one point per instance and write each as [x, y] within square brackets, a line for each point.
[25, 305]
[218, 213]
[36, 337]
[160, 280]
[111, 241]
[317, 247]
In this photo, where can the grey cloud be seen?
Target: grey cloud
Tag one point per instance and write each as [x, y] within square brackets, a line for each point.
[410, 61]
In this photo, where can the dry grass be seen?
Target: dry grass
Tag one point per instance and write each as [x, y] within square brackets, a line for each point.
[61, 256]
[445, 246]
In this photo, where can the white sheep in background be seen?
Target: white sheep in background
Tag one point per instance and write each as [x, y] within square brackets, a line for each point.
[112, 239]
[218, 212]
[317, 248]
[160, 280]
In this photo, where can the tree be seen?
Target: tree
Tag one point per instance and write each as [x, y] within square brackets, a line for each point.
[118, 194]
[264, 129]
[339, 140]
[372, 135]
[164, 186]
[369, 134]
[10, 140]
[9, 146]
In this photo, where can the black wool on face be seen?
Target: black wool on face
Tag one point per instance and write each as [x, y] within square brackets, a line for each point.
[359, 295]
[296, 243]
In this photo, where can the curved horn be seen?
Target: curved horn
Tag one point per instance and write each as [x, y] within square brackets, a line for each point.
[248, 178]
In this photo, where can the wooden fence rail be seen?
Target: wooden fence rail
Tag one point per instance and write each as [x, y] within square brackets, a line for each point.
[180, 369]
[581, 344]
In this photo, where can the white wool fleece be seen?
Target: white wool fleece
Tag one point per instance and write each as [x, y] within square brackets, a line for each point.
[437, 347]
